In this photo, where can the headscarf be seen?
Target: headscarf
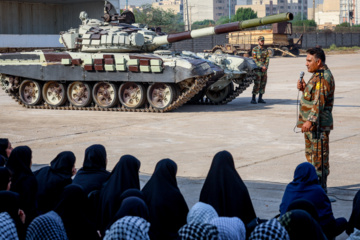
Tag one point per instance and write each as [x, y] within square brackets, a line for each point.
[225, 190]
[269, 230]
[229, 228]
[300, 225]
[132, 192]
[5, 175]
[7, 227]
[303, 204]
[143, 211]
[354, 220]
[53, 179]
[10, 203]
[131, 206]
[129, 227]
[23, 180]
[305, 186]
[4, 144]
[93, 174]
[201, 213]
[73, 210]
[199, 231]
[167, 206]
[46, 226]
[125, 175]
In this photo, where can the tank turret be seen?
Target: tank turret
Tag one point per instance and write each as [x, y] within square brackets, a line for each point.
[121, 35]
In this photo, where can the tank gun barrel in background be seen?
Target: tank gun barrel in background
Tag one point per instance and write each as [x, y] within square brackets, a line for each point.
[224, 28]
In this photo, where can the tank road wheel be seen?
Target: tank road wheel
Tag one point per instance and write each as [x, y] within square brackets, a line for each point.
[79, 94]
[30, 92]
[160, 95]
[218, 96]
[54, 93]
[132, 95]
[105, 94]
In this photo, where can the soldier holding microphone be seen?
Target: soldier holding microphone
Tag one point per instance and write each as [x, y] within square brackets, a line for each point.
[315, 117]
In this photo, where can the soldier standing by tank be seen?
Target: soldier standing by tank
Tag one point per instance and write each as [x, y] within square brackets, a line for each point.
[261, 58]
[315, 118]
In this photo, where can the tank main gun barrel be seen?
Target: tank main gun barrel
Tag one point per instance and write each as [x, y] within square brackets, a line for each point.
[224, 28]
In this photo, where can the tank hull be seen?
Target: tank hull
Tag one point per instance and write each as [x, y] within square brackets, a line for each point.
[156, 83]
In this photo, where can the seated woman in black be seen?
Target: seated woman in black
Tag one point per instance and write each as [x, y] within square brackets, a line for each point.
[124, 176]
[74, 211]
[305, 186]
[52, 180]
[10, 203]
[167, 207]
[93, 174]
[5, 150]
[225, 190]
[23, 181]
[5, 178]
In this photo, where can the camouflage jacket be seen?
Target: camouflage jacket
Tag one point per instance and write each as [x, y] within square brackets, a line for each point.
[261, 56]
[309, 104]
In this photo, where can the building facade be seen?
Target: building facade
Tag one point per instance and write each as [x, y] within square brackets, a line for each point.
[349, 11]
[270, 7]
[195, 10]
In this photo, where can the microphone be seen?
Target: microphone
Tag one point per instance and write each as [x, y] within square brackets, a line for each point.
[301, 76]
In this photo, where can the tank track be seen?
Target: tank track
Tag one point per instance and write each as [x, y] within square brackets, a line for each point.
[198, 85]
[235, 93]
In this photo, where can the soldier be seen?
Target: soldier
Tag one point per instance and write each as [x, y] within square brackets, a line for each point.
[261, 57]
[315, 118]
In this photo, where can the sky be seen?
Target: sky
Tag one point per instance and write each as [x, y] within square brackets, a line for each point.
[239, 2]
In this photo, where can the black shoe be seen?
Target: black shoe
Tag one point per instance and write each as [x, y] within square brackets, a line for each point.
[260, 99]
[253, 100]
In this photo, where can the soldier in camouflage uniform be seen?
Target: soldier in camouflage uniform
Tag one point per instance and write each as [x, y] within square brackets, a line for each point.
[261, 58]
[313, 115]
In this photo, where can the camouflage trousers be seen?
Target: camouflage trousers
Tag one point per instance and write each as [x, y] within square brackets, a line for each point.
[313, 152]
[260, 83]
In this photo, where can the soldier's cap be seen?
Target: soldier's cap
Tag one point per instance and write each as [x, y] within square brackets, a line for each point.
[261, 38]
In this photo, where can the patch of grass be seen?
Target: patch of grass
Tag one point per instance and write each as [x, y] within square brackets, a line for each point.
[333, 47]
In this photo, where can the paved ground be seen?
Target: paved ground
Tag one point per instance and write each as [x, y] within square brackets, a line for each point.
[260, 137]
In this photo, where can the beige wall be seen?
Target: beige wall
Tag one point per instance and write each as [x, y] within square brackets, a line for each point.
[327, 17]
[319, 8]
[200, 10]
[331, 5]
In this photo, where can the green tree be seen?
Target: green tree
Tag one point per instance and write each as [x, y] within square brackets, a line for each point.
[157, 17]
[298, 22]
[240, 15]
[202, 24]
[244, 14]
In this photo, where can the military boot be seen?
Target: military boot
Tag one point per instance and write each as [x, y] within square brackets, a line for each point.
[260, 99]
[253, 100]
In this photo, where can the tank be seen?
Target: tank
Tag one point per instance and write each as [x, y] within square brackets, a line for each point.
[114, 64]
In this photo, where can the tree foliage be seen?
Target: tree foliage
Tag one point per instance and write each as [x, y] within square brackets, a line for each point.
[298, 22]
[240, 15]
[157, 17]
[202, 24]
[244, 14]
